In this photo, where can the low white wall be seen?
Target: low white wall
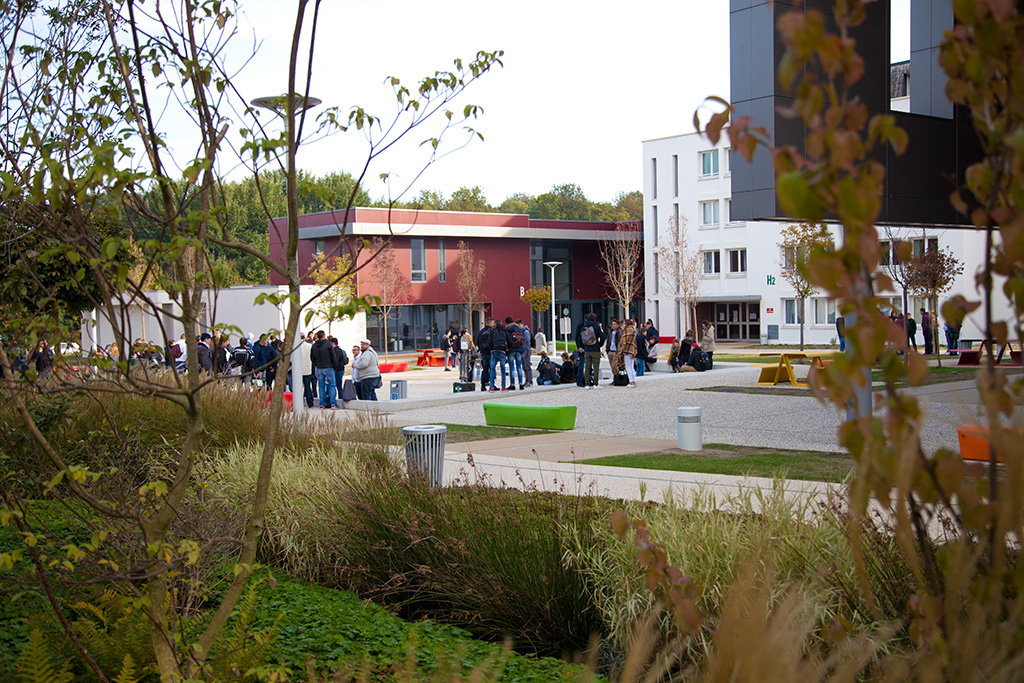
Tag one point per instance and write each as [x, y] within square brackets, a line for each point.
[232, 307]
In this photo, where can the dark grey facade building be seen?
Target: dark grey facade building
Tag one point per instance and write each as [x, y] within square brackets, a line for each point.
[942, 141]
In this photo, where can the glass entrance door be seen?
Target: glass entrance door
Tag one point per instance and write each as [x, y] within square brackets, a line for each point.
[737, 321]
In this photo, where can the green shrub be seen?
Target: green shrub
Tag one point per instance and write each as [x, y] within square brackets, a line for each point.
[491, 560]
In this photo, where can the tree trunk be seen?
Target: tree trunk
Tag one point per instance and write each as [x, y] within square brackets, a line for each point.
[802, 323]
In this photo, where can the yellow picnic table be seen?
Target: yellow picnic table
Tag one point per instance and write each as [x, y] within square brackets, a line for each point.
[782, 371]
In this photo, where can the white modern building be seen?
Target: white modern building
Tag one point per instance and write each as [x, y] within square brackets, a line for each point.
[687, 187]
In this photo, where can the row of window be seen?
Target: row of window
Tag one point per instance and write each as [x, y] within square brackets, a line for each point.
[417, 255]
[707, 167]
[823, 311]
[736, 260]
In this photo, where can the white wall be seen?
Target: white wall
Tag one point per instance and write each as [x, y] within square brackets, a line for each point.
[763, 280]
[234, 306]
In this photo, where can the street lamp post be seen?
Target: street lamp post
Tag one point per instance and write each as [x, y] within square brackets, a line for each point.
[552, 265]
[279, 105]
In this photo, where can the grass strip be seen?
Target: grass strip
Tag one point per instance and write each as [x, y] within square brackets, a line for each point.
[742, 462]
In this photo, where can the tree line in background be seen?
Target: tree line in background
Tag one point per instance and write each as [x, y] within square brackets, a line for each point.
[247, 208]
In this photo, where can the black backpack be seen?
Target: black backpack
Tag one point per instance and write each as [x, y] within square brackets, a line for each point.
[242, 358]
[699, 360]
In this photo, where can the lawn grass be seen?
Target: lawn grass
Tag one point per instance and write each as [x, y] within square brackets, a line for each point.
[465, 433]
[741, 461]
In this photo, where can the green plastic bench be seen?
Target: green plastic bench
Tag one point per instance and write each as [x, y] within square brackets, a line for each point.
[537, 417]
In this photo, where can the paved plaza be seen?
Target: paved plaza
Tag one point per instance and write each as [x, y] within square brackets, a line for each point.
[621, 421]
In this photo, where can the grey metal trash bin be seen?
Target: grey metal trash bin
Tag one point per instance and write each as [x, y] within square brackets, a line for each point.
[424, 453]
[399, 387]
[688, 429]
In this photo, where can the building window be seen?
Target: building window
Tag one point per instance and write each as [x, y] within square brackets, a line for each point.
[654, 221]
[318, 248]
[824, 311]
[712, 262]
[442, 264]
[677, 230]
[794, 312]
[709, 213]
[737, 260]
[789, 258]
[418, 251]
[709, 163]
[727, 161]
[728, 211]
[885, 250]
[654, 178]
[933, 245]
[657, 274]
[675, 175]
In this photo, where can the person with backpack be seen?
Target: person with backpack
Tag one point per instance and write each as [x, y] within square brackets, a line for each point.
[527, 351]
[483, 345]
[242, 360]
[516, 342]
[499, 351]
[589, 337]
[699, 360]
[707, 342]
[446, 345]
[627, 351]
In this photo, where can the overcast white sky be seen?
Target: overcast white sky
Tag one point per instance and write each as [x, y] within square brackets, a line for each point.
[584, 83]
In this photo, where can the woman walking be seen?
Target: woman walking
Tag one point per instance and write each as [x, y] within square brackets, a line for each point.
[627, 349]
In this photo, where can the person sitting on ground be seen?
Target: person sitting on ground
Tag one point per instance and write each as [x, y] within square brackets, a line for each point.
[673, 355]
[547, 372]
[567, 371]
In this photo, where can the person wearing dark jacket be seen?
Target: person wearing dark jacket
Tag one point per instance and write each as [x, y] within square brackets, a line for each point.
[222, 356]
[499, 350]
[590, 337]
[547, 372]
[340, 361]
[567, 370]
[483, 345]
[204, 354]
[322, 358]
[611, 346]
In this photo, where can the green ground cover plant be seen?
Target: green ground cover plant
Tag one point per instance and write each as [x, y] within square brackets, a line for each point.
[767, 463]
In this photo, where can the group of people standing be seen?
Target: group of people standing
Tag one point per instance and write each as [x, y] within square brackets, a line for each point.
[505, 346]
[323, 364]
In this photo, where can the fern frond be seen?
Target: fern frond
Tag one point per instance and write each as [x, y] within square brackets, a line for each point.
[36, 664]
[127, 673]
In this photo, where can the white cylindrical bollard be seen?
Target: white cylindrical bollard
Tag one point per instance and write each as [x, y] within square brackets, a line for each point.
[688, 429]
[424, 453]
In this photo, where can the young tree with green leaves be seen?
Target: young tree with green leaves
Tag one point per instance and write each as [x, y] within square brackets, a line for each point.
[87, 104]
[799, 243]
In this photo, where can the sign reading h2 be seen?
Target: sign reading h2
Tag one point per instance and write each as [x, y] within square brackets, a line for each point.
[771, 279]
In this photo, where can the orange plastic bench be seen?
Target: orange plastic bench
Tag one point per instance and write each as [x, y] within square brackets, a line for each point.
[393, 367]
[974, 443]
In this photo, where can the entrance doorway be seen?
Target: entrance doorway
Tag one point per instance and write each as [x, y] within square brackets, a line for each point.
[737, 321]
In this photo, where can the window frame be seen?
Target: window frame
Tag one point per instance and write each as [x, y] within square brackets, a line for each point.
[796, 319]
[442, 264]
[713, 203]
[830, 310]
[418, 245]
[712, 257]
[741, 258]
[713, 163]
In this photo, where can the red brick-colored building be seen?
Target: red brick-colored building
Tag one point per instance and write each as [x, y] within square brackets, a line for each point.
[514, 248]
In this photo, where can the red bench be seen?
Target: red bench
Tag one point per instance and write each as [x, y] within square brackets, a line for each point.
[429, 359]
[393, 367]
